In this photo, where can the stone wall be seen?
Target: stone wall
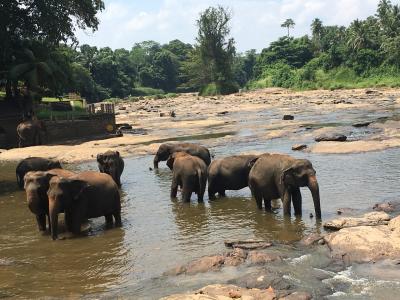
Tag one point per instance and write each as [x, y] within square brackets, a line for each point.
[58, 131]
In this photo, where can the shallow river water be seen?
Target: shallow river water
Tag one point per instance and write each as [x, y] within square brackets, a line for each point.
[159, 233]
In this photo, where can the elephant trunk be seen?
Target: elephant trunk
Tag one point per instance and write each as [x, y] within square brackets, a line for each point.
[53, 212]
[314, 188]
[155, 162]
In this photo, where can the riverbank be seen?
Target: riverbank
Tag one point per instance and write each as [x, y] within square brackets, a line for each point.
[255, 115]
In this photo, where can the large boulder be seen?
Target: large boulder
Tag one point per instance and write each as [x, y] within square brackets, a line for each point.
[335, 137]
[366, 243]
[369, 219]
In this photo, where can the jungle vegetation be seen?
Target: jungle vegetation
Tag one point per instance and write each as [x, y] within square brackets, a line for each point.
[39, 53]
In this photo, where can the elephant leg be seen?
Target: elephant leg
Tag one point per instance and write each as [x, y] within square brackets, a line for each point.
[186, 194]
[259, 197]
[296, 199]
[211, 194]
[286, 202]
[41, 221]
[109, 221]
[267, 203]
[221, 193]
[117, 218]
[174, 188]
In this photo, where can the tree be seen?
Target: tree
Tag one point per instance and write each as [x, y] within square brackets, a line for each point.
[289, 23]
[215, 50]
[316, 29]
[48, 22]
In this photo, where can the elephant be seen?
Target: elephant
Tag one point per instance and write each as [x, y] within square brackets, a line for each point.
[31, 133]
[34, 164]
[84, 196]
[112, 164]
[190, 173]
[276, 176]
[229, 173]
[166, 149]
[36, 186]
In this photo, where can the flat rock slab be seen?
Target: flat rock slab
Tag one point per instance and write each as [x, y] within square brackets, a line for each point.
[331, 138]
[369, 219]
[366, 243]
[362, 124]
[299, 147]
[248, 244]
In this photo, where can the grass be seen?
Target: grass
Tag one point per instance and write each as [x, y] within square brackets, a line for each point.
[45, 114]
[146, 91]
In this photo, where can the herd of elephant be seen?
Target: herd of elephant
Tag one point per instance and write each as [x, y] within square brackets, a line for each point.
[51, 190]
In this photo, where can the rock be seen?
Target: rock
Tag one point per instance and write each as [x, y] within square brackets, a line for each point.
[346, 211]
[311, 239]
[288, 117]
[388, 207]
[172, 114]
[331, 137]
[362, 124]
[235, 257]
[394, 224]
[122, 108]
[222, 113]
[297, 296]
[225, 292]
[262, 280]
[162, 114]
[299, 147]
[125, 127]
[257, 257]
[369, 92]
[248, 244]
[365, 243]
[369, 219]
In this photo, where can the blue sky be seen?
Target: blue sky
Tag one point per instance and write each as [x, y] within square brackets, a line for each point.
[255, 23]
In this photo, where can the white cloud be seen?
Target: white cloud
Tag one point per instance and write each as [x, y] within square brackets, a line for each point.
[255, 23]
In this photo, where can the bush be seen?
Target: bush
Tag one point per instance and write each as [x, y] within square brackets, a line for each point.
[213, 89]
[146, 91]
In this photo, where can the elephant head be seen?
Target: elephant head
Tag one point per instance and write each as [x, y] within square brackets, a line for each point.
[63, 193]
[173, 156]
[36, 184]
[301, 173]
[109, 162]
[162, 154]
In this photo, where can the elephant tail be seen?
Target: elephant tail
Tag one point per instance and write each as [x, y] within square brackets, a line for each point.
[200, 179]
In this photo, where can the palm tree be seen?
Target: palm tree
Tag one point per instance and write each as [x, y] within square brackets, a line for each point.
[289, 23]
[316, 29]
[358, 35]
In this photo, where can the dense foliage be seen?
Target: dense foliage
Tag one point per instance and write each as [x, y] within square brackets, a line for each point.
[39, 52]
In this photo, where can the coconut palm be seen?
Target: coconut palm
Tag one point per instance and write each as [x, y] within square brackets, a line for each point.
[289, 23]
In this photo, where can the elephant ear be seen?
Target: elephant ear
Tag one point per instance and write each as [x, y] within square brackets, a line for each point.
[287, 174]
[170, 161]
[252, 162]
[117, 153]
[77, 187]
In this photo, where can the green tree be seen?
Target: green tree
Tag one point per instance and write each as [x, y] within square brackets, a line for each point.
[289, 23]
[215, 50]
[317, 31]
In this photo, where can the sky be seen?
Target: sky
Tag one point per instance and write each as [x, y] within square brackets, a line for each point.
[254, 24]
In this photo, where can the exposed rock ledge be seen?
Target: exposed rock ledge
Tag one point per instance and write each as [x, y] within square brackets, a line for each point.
[226, 292]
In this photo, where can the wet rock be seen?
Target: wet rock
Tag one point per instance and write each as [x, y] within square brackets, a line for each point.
[331, 138]
[299, 147]
[224, 291]
[263, 280]
[235, 257]
[369, 219]
[125, 127]
[362, 124]
[388, 207]
[311, 239]
[341, 101]
[370, 92]
[346, 211]
[172, 114]
[288, 117]
[394, 224]
[162, 114]
[222, 113]
[260, 258]
[298, 296]
[122, 108]
[201, 265]
[248, 244]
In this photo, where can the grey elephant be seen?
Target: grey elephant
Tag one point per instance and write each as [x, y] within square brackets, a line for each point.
[83, 196]
[112, 164]
[229, 173]
[166, 149]
[31, 133]
[36, 186]
[276, 176]
[34, 164]
[190, 173]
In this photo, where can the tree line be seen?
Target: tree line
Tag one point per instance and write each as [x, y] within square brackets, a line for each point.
[39, 52]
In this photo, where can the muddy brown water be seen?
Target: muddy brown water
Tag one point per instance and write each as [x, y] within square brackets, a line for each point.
[159, 233]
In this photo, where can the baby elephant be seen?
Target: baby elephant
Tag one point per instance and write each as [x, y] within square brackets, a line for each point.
[112, 164]
[229, 173]
[190, 173]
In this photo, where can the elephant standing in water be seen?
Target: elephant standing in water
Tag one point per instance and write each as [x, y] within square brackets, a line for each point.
[276, 176]
[112, 164]
[31, 133]
[190, 173]
[83, 196]
[34, 164]
[167, 149]
[36, 186]
[229, 173]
